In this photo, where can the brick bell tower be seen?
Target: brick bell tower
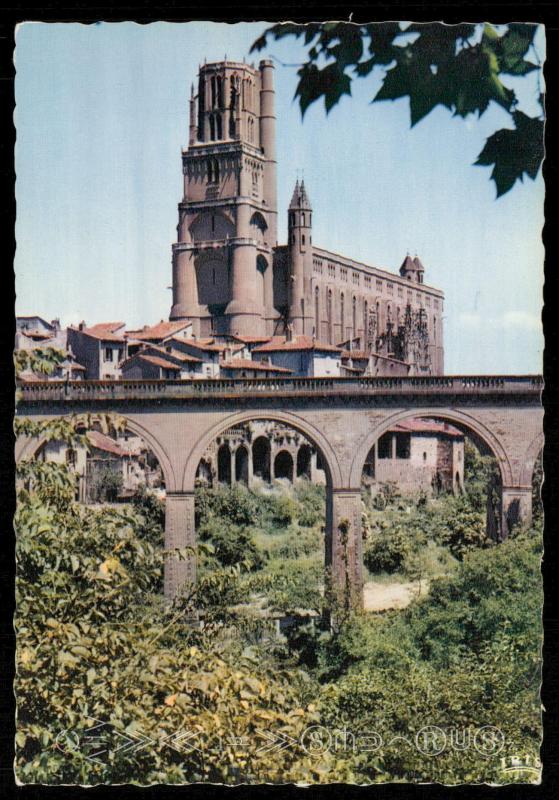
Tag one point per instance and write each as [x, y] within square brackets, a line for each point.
[299, 226]
[222, 261]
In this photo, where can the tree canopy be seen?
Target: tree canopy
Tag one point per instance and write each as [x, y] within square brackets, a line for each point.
[460, 67]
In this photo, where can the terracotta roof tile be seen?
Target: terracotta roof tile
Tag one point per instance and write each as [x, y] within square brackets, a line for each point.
[358, 354]
[186, 359]
[105, 331]
[158, 361]
[103, 442]
[280, 343]
[417, 425]
[163, 330]
[246, 363]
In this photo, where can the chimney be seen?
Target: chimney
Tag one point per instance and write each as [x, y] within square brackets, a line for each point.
[82, 326]
[289, 333]
[55, 324]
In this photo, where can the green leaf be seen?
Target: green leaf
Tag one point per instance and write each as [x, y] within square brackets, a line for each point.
[514, 153]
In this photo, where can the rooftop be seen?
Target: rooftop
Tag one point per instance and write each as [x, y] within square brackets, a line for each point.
[163, 330]
[281, 343]
[246, 363]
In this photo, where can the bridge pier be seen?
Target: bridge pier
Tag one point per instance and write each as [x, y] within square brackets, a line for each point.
[344, 548]
[180, 533]
[516, 508]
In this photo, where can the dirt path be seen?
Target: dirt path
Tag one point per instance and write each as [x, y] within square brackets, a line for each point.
[383, 596]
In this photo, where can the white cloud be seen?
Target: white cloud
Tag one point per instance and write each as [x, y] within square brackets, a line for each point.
[508, 320]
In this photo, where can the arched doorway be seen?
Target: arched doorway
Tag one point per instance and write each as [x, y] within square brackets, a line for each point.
[304, 456]
[283, 465]
[224, 464]
[241, 465]
[261, 452]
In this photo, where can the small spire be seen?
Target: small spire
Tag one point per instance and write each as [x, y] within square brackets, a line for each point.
[191, 90]
[295, 198]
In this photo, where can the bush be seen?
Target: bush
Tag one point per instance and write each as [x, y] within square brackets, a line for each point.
[311, 500]
[233, 504]
[233, 544]
[387, 550]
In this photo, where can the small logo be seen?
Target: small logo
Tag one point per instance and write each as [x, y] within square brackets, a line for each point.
[430, 740]
[316, 740]
[489, 741]
[527, 768]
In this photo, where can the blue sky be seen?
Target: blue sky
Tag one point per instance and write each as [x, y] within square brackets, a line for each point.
[101, 116]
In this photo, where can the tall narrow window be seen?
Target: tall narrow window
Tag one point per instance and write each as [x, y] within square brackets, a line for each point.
[342, 314]
[213, 91]
[218, 131]
[212, 127]
[365, 320]
[354, 320]
[216, 171]
[434, 330]
[210, 170]
[219, 93]
[329, 315]
[316, 312]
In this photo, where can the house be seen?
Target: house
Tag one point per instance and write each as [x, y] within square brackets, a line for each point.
[158, 363]
[108, 469]
[142, 366]
[302, 355]
[100, 348]
[247, 368]
[208, 350]
[418, 454]
[158, 334]
[35, 332]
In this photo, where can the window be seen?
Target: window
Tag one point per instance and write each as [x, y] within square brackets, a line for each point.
[355, 278]
[385, 446]
[343, 273]
[354, 319]
[316, 312]
[212, 168]
[108, 354]
[403, 445]
[331, 270]
[400, 291]
[367, 282]
[425, 456]
[390, 288]
[329, 314]
[342, 314]
[303, 238]
[379, 286]
[365, 321]
[71, 457]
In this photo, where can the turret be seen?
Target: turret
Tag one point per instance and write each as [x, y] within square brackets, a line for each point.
[412, 269]
[300, 260]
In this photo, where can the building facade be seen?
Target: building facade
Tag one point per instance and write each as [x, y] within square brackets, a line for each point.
[231, 277]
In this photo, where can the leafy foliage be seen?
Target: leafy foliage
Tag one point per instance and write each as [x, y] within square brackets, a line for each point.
[41, 360]
[96, 641]
[460, 67]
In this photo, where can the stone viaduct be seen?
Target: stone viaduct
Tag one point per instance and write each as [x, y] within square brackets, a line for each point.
[342, 417]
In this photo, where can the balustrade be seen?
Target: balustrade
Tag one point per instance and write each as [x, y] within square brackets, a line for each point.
[60, 391]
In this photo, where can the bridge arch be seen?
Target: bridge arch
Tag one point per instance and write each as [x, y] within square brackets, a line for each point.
[530, 458]
[331, 464]
[462, 420]
[32, 445]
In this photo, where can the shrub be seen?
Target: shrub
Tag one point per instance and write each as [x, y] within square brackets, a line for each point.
[232, 543]
[387, 550]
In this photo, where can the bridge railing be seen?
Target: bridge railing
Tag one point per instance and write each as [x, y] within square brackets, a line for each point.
[57, 391]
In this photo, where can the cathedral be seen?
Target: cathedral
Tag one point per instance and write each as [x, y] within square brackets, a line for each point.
[231, 278]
